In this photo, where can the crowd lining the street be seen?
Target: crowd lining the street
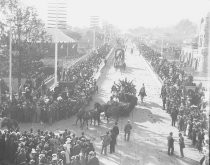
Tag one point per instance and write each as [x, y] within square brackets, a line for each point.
[46, 148]
[182, 99]
[77, 87]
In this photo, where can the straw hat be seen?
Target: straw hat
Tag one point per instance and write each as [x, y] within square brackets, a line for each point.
[54, 157]
[91, 153]
[63, 152]
[33, 151]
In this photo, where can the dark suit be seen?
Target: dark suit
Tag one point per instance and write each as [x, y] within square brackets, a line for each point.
[93, 161]
[170, 145]
[113, 142]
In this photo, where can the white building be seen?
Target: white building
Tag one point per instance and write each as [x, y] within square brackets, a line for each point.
[57, 14]
[196, 57]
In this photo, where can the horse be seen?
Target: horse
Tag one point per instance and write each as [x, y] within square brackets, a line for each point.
[114, 110]
[92, 115]
[84, 116]
[80, 115]
[10, 124]
[102, 108]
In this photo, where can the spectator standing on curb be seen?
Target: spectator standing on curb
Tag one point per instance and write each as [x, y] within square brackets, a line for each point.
[116, 130]
[127, 130]
[106, 141]
[113, 142]
[170, 144]
[181, 144]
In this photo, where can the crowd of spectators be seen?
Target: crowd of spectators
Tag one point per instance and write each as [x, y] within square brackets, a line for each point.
[46, 148]
[182, 98]
[77, 87]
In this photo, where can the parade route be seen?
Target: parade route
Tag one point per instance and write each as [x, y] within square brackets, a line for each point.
[151, 124]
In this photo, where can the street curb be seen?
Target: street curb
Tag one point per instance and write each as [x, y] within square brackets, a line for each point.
[98, 73]
[161, 81]
[151, 70]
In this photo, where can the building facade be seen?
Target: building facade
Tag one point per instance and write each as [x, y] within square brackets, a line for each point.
[196, 55]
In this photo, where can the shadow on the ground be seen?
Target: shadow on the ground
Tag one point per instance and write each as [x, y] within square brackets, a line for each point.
[141, 115]
[142, 150]
[130, 70]
[150, 105]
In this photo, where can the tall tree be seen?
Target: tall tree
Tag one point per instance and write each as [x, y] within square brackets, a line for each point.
[28, 32]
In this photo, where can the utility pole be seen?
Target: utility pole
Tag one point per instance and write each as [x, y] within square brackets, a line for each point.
[94, 38]
[104, 36]
[161, 48]
[0, 90]
[56, 51]
[10, 63]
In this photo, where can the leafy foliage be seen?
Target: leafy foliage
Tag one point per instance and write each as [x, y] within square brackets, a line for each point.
[126, 86]
[26, 30]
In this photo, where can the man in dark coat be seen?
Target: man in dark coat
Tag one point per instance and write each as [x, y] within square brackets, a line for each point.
[174, 114]
[113, 142]
[170, 144]
[116, 130]
[127, 130]
[93, 160]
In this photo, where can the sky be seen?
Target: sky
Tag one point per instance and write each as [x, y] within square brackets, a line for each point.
[127, 14]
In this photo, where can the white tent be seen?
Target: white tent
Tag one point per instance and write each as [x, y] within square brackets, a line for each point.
[59, 36]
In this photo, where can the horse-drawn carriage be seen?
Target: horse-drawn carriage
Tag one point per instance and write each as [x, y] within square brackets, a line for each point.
[122, 101]
[119, 61]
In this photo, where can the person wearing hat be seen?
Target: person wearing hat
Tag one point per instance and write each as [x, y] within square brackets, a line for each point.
[66, 153]
[34, 155]
[54, 158]
[63, 157]
[127, 130]
[106, 139]
[142, 93]
[181, 144]
[170, 144]
[93, 160]
[21, 156]
[116, 130]
[174, 114]
[89, 147]
[32, 162]
[113, 142]
[76, 148]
